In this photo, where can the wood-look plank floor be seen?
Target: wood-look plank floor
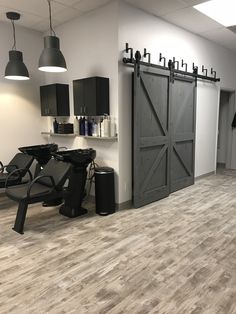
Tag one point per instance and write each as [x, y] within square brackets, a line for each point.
[174, 256]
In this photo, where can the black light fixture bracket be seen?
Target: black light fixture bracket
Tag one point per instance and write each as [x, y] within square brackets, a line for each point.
[204, 70]
[171, 66]
[147, 54]
[176, 62]
[127, 49]
[13, 16]
[162, 58]
[213, 72]
[184, 64]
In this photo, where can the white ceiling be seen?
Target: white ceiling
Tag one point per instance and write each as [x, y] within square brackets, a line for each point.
[34, 15]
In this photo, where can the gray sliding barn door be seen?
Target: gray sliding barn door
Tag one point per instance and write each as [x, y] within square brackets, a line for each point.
[150, 136]
[163, 134]
[182, 133]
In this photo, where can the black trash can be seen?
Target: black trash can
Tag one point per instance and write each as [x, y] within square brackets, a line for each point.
[104, 190]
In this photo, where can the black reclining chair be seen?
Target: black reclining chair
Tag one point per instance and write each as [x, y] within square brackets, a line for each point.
[19, 165]
[47, 186]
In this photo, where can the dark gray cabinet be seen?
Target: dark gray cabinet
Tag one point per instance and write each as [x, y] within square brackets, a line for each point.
[91, 96]
[55, 100]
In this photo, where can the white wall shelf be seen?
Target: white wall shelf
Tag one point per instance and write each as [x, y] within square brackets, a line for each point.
[60, 135]
[99, 138]
[115, 139]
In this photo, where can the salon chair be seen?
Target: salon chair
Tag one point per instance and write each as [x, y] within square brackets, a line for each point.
[20, 164]
[47, 186]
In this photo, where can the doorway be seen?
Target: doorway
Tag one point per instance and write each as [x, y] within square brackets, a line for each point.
[226, 146]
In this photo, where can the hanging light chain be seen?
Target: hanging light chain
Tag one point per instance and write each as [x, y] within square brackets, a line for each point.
[50, 18]
[14, 35]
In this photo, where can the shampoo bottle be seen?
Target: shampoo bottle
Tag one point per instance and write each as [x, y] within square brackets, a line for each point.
[113, 127]
[55, 126]
[102, 128]
[76, 125]
[106, 126]
[95, 129]
[85, 127]
[82, 126]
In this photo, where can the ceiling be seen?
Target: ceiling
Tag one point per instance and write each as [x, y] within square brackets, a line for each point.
[34, 15]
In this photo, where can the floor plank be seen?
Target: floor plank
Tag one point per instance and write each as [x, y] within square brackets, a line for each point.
[174, 256]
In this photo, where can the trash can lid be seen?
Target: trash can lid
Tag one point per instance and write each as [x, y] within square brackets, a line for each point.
[104, 170]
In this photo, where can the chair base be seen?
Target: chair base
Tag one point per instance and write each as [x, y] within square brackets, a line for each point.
[72, 212]
[20, 232]
[20, 217]
[54, 202]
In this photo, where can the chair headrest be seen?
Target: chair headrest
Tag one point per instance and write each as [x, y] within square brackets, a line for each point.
[59, 170]
[20, 160]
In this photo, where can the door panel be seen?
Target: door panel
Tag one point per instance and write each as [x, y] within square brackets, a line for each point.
[150, 137]
[163, 134]
[182, 133]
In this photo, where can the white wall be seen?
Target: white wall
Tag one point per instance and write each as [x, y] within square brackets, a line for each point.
[223, 128]
[20, 121]
[142, 30]
[90, 46]
[206, 128]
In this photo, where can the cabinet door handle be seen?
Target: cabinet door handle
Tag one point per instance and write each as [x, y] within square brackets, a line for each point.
[84, 109]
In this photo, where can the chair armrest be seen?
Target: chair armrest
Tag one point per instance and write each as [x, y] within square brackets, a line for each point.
[15, 171]
[36, 179]
[4, 167]
[58, 157]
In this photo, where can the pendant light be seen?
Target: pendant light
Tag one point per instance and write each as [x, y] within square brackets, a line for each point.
[51, 59]
[15, 69]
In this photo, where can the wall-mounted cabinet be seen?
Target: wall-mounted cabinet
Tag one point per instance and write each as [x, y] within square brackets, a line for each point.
[55, 100]
[91, 96]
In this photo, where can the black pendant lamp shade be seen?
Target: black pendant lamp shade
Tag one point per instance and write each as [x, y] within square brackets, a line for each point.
[52, 59]
[15, 69]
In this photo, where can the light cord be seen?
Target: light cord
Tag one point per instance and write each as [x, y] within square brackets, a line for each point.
[50, 19]
[14, 35]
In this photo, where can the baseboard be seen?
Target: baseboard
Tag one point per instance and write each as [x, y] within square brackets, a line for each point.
[221, 165]
[90, 199]
[120, 206]
[124, 205]
[204, 175]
